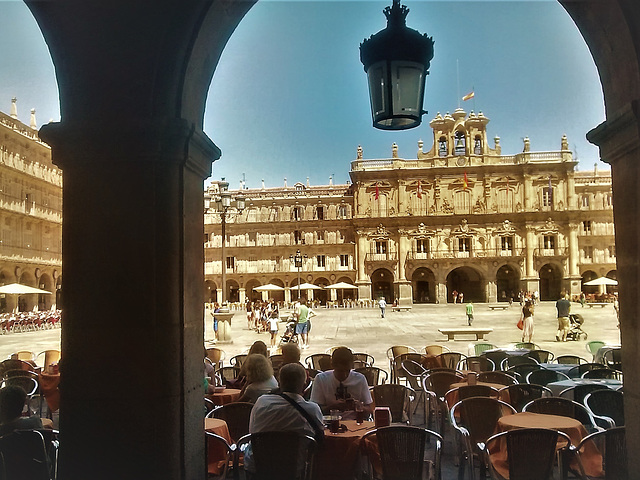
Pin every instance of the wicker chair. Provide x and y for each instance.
(21, 373)
(406, 452)
(578, 392)
(541, 356)
(602, 373)
(502, 378)
(436, 385)
(13, 364)
(216, 355)
(612, 446)
(276, 363)
(238, 360)
(578, 370)
(531, 453)
(392, 353)
(398, 398)
(477, 364)
(607, 406)
(522, 393)
(374, 375)
(450, 359)
(218, 469)
(319, 361)
(468, 391)
(364, 357)
(476, 419)
(570, 360)
(563, 407)
(435, 350)
(48, 357)
(24, 355)
(237, 417)
(398, 373)
(414, 373)
(520, 372)
(545, 377)
(279, 455)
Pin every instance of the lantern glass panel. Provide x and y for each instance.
(377, 75)
(407, 81)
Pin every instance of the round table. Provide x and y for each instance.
(452, 398)
(215, 452)
(228, 395)
(557, 387)
(337, 457)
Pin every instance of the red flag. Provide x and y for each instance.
(419, 189)
(466, 180)
(507, 184)
(377, 191)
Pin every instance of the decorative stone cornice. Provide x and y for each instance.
(619, 134)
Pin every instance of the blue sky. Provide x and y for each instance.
(289, 97)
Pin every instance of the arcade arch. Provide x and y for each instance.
(210, 291)
(249, 291)
(550, 281)
(587, 276)
(45, 301)
(466, 280)
(507, 282)
(382, 285)
(423, 282)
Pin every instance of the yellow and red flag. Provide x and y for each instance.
(469, 96)
(419, 192)
(466, 180)
(377, 191)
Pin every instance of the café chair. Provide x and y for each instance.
(541, 356)
(216, 355)
(403, 452)
(374, 375)
(414, 373)
(37, 405)
(545, 377)
(521, 371)
(607, 406)
(13, 364)
(208, 405)
(502, 378)
(279, 455)
(578, 392)
(227, 374)
(398, 373)
(531, 453)
(21, 373)
(330, 350)
(593, 347)
(570, 360)
(579, 370)
(48, 357)
(613, 358)
(276, 362)
(526, 346)
(514, 360)
(24, 355)
(603, 373)
(398, 398)
(496, 356)
(520, 394)
(480, 348)
(477, 364)
(392, 353)
(319, 361)
(218, 469)
(24, 455)
(365, 358)
(236, 415)
(238, 360)
(476, 419)
(612, 446)
(436, 385)
(450, 359)
(28, 384)
(564, 408)
(435, 350)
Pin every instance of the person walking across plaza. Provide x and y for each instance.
(303, 313)
(563, 307)
(469, 307)
(527, 316)
(383, 305)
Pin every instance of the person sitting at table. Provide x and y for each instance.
(277, 412)
(291, 354)
(260, 379)
(12, 402)
(340, 388)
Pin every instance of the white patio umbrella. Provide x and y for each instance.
(601, 281)
(20, 289)
(341, 286)
(269, 287)
(307, 286)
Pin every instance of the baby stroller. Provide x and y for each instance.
(289, 335)
(575, 331)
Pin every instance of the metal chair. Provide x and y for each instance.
(21, 373)
(578, 392)
(593, 347)
(221, 465)
(276, 363)
(414, 373)
(217, 356)
(435, 350)
(563, 407)
(319, 361)
(238, 360)
(436, 385)
(522, 393)
(527, 346)
(227, 374)
(521, 371)
(480, 348)
(502, 378)
(398, 398)
(612, 446)
(405, 452)
(541, 356)
(607, 406)
(28, 384)
(279, 455)
(398, 373)
(570, 360)
(514, 360)
(374, 375)
(531, 453)
(14, 364)
(467, 391)
(24, 355)
(613, 358)
(236, 415)
(364, 357)
(24, 455)
(476, 419)
(545, 377)
(48, 357)
(393, 352)
(496, 356)
(450, 359)
(578, 370)
(477, 364)
(603, 373)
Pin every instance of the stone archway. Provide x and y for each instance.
(550, 282)
(249, 291)
(423, 283)
(469, 282)
(210, 291)
(587, 276)
(507, 283)
(382, 285)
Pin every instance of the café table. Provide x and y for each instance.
(599, 356)
(559, 367)
(573, 428)
(338, 456)
(215, 453)
(452, 398)
(557, 387)
(228, 395)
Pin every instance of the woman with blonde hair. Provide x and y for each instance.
(260, 379)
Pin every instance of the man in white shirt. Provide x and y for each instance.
(341, 388)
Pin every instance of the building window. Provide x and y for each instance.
(586, 227)
(584, 201)
(321, 261)
(297, 237)
(320, 212)
(342, 211)
(462, 201)
(547, 197)
(320, 235)
(231, 263)
(296, 214)
(442, 147)
(206, 237)
(588, 252)
(344, 260)
(608, 200)
(506, 244)
(549, 242)
(464, 245)
(422, 245)
(612, 251)
(381, 246)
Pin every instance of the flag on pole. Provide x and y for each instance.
(377, 191)
(469, 96)
(507, 184)
(466, 180)
(419, 192)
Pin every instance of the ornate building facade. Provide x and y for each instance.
(460, 217)
(30, 213)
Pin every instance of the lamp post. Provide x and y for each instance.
(297, 262)
(396, 61)
(224, 201)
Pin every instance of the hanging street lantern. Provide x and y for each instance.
(396, 61)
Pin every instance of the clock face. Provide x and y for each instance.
(461, 161)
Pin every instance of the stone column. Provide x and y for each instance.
(528, 192)
(242, 294)
(361, 253)
(619, 142)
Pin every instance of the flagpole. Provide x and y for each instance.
(458, 80)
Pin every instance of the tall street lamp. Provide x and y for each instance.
(224, 201)
(397, 61)
(297, 262)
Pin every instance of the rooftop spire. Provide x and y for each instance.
(14, 108)
(32, 121)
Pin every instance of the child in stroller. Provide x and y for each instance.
(289, 335)
(575, 331)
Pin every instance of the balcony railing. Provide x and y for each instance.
(381, 257)
(474, 252)
(551, 252)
